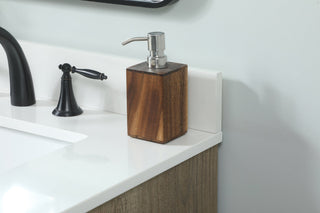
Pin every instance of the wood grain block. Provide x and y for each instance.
(157, 102)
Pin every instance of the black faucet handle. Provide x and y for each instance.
(89, 73)
(67, 105)
(84, 72)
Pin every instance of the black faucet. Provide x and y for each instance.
(67, 105)
(21, 85)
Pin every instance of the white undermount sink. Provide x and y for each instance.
(18, 147)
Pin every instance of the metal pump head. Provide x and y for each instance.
(156, 45)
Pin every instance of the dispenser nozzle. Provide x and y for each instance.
(134, 39)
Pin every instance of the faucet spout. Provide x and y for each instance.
(21, 85)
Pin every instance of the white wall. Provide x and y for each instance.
(270, 54)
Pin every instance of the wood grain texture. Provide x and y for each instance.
(157, 102)
(190, 187)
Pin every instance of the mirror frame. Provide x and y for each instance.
(138, 3)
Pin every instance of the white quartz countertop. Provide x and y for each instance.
(99, 163)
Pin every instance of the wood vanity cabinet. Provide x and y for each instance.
(190, 187)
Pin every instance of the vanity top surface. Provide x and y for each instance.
(99, 163)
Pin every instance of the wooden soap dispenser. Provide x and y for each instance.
(157, 94)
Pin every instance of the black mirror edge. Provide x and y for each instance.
(137, 3)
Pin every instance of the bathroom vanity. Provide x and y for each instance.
(89, 163)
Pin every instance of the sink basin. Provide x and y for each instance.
(18, 147)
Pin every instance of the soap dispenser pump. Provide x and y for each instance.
(156, 46)
(157, 94)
